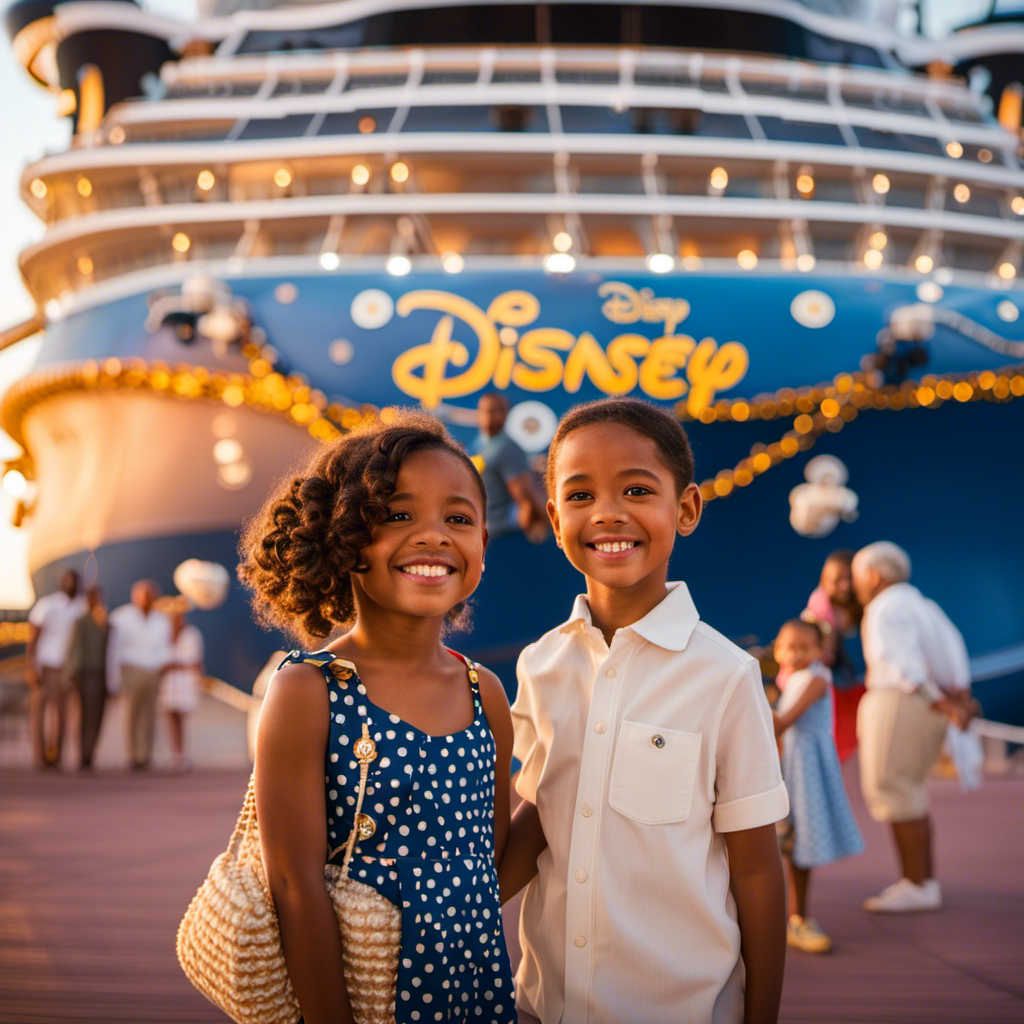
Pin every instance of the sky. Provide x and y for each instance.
(30, 128)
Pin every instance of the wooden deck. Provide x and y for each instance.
(95, 872)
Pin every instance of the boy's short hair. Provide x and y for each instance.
(645, 418)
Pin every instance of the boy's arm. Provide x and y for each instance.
(759, 888)
(525, 844)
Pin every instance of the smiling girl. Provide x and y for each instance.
(649, 761)
(382, 536)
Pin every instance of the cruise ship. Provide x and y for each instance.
(792, 225)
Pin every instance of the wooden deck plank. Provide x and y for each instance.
(95, 872)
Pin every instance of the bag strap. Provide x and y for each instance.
(246, 818)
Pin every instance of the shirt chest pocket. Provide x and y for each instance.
(653, 773)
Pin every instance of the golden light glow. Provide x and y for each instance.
(1007, 271)
(38, 188)
(360, 174)
(805, 261)
(830, 408)
(206, 180)
(719, 178)
(880, 183)
(747, 259)
(84, 187)
(954, 149)
(805, 184)
(924, 264)
(282, 177)
(873, 259)
(116, 135)
(562, 241)
(85, 265)
(367, 125)
(985, 156)
(1017, 205)
(181, 242)
(399, 172)
(961, 193)
(803, 424)
(879, 240)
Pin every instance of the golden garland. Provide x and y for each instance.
(829, 407)
(823, 408)
(262, 389)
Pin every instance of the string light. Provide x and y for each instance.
(181, 242)
(719, 178)
(360, 174)
(954, 149)
(1007, 271)
(399, 172)
(880, 183)
(452, 262)
(879, 240)
(924, 264)
(660, 263)
(562, 241)
(961, 193)
(1017, 205)
(747, 259)
(206, 180)
(38, 188)
(282, 177)
(873, 259)
(84, 187)
(805, 262)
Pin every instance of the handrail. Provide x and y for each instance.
(20, 332)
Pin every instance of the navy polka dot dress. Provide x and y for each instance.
(431, 800)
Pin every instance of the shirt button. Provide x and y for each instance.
(600, 727)
(586, 810)
(581, 941)
(609, 672)
(581, 876)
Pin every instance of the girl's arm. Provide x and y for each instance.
(816, 689)
(526, 843)
(759, 888)
(495, 704)
(290, 745)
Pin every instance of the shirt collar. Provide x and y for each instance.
(669, 624)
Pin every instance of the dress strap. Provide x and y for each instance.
(335, 669)
(472, 669)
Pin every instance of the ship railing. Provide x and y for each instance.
(550, 93)
(798, 80)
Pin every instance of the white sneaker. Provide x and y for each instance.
(904, 897)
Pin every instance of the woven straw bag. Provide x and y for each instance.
(229, 944)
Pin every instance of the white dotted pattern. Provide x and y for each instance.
(432, 799)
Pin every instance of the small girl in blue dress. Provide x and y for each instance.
(821, 825)
(381, 539)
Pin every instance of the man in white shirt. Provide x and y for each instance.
(138, 654)
(918, 680)
(51, 622)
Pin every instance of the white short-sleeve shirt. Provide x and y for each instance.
(638, 757)
(54, 616)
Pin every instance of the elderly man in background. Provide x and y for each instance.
(514, 501)
(918, 680)
(51, 622)
(139, 651)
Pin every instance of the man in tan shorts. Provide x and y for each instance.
(918, 680)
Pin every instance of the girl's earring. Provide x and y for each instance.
(483, 565)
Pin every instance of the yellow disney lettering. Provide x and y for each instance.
(658, 372)
(625, 305)
(539, 368)
(711, 369)
(431, 386)
(613, 372)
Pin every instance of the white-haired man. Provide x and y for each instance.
(918, 680)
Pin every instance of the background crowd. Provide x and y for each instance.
(81, 656)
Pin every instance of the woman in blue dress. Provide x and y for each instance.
(821, 827)
(383, 535)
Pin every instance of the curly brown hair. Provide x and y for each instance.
(298, 550)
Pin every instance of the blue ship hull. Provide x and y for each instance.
(943, 482)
